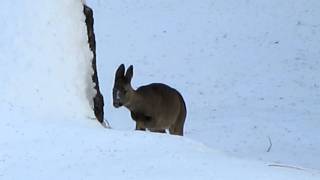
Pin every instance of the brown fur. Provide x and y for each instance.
(155, 107)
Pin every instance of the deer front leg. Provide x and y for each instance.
(138, 118)
(140, 126)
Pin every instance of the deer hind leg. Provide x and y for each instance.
(177, 127)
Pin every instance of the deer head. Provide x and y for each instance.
(122, 89)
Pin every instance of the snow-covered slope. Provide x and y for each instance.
(249, 70)
(84, 153)
(45, 128)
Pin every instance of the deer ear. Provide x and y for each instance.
(129, 73)
(120, 71)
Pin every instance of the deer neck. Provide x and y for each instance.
(134, 103)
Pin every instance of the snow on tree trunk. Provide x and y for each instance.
(98, 102)
(45, 66)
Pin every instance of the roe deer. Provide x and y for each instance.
(155, 107)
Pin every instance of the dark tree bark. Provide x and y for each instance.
(98, 102)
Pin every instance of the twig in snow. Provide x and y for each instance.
(92, 118)
(106, 124)
(270, 144)
(286, 166)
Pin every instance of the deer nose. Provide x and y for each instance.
(116, 104)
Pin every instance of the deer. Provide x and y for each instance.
(155, 107)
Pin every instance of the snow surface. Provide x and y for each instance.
(204, 49)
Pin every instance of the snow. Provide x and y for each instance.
(76, 153)
(247, 70)
(40, 46)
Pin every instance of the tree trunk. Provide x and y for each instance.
(98, 102)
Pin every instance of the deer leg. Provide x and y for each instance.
(177, 128)
(158, 130)
(140, 126)
(171, 129)
(138, 118)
